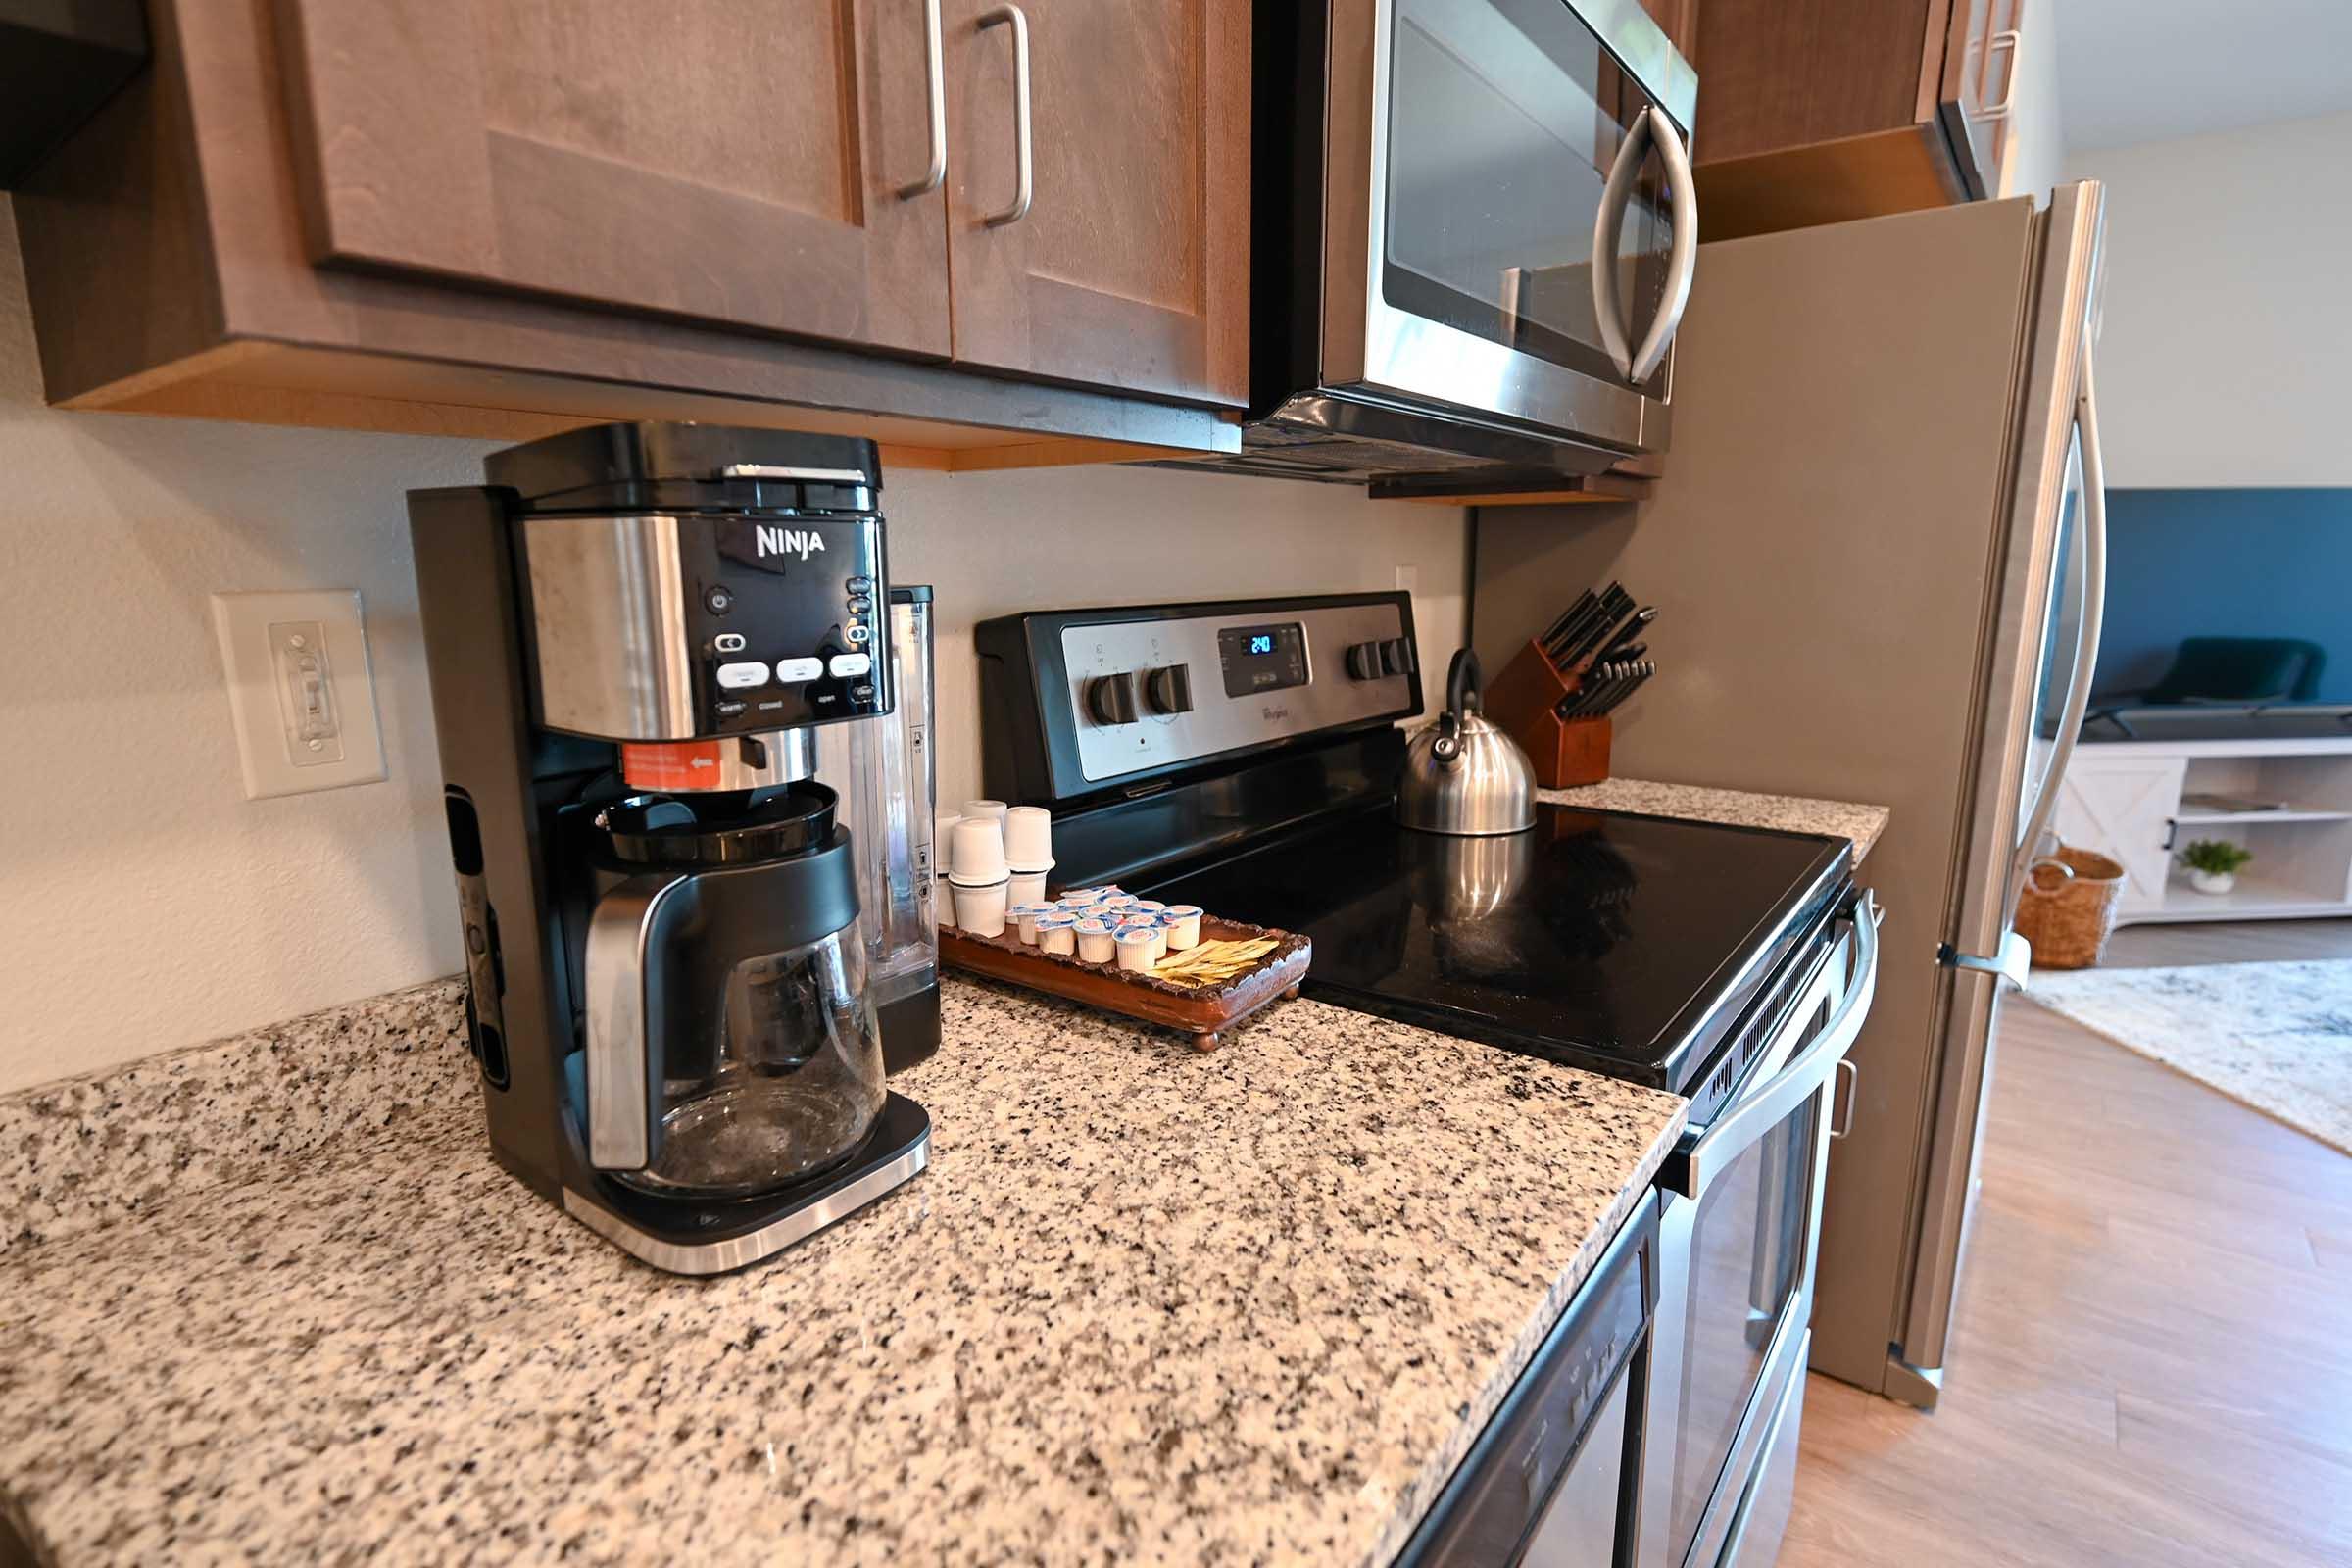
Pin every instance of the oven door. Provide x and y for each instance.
(1510, 223)
(1735, 1254)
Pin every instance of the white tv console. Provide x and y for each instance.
(2123, 797)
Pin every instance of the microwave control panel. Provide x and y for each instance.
(1119, 697)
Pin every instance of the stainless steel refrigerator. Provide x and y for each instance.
(1878, 550)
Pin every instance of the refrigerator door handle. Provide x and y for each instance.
(2094, 609)
(2011, 963)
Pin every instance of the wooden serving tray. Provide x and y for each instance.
(1202, 1012)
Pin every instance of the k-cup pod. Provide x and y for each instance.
(1028, 887)
(1024, 917)
(977, 855)
(1139, 949)
(994, 810)
(1097, 943)
(1057, 933)
(980, 908)
(1183, 925)
(1029, 837)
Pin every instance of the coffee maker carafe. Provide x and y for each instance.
(643, 639)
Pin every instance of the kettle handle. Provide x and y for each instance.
(1462, 700)
(1463, 685)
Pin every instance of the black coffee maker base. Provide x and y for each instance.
(683, 1237)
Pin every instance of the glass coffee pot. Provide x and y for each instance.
(731, 1041)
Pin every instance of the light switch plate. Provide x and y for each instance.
(300, 690)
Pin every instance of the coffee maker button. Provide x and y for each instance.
(858, 585)
(718, 598)
(727, 642)
(735, 677)
(844, 666)
(796, 669)
(856, 634)
(863, 693)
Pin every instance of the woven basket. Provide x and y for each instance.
(2067, 909)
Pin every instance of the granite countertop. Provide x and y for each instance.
(1145, 1305)
(1843, 819)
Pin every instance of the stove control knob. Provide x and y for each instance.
(1110, 699)
(1169, 689)
(1397, 655)
(1363, 661)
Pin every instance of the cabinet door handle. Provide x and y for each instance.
(2011, 40)
(1022, 148)
(2172, 831)
(936, 99)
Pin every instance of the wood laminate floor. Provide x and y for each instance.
(2153, 1359)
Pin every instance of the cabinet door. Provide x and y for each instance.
(736, 161)
(1130, 268)
(2124, 806)
(1979, 79)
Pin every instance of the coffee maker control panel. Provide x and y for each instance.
(673, 626)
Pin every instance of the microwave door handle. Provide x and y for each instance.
(1801, 1078)
(1681, 261)
(1607, 225)
(2076, 707)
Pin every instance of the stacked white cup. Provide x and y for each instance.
(1028, 851)
(977, 873)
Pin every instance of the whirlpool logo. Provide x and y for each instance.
(799, 542)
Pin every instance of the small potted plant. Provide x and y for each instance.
(2213, 863)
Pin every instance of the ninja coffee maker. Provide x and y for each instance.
(684, 729)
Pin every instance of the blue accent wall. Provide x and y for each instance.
(2225, 563)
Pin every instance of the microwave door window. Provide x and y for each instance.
(1504, 118)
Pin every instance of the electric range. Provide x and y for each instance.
(1243, 756)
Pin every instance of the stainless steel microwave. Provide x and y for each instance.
(1474, 231)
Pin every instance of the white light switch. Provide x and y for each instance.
(300, 690)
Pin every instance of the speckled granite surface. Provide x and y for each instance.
(1843, 819)
(1146, 1305)
(85, 1151)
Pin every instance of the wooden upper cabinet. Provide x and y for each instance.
(1130, 268)
(1818, 111)
(732, 160)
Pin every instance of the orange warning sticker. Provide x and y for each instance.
(670, 765)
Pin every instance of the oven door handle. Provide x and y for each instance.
(1751, 1118)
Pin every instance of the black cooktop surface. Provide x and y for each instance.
(1623, 943)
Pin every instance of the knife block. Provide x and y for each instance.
(1523, 702)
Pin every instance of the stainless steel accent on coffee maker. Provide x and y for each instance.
(645, 644)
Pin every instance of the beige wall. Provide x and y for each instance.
(145, 904)
(2221, 363)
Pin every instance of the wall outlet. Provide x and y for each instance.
(298, 690)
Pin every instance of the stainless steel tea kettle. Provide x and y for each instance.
(1463, 774)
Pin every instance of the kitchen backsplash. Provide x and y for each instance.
(152, 906)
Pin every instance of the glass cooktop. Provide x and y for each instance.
(1627, 945)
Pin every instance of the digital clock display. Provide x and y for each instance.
(1263, 659)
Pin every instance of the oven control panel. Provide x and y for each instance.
(1102, 699)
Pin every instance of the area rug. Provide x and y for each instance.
(2275, 1036)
